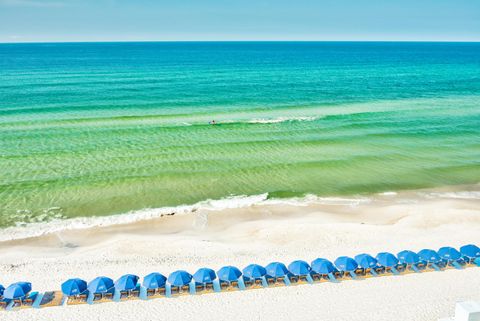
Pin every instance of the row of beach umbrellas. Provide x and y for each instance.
(155, 280)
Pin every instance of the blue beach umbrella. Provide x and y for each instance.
(179, 278)
(386, 259)
(408, 257)
(254, 271)
(204, 275)
(322, 266)
(154, 281)
(366, 261)
(74, 287)
(1, 290)
(345, 263)
(471, 251)
(429, 256)
(17, 290)
(229, 273)
(449, 253)
(126, 282)
(276, 269)
(299, 267)
(100, 284)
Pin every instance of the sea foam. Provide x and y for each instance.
(28, 230)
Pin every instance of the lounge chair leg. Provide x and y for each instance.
(477, 261)
(90, 298)
(10, 305)
(168, 291)
(36, 303)
(332, 278)
(143, 293)
(264, 282)
(309, 279)
(116, 296)
(216, 285)
(241, 284)
(192, 288)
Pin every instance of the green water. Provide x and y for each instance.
(101, 129)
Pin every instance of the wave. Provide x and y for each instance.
(281, 120)
(55, 223)
(27, 230)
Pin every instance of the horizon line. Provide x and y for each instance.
(233, 41)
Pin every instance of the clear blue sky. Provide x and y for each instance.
(139, 20)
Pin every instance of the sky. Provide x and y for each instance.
(197, 20)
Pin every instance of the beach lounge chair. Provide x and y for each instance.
(49, 299)
(77, 299)
(316, 277)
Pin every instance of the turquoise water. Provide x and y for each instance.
(92, 129)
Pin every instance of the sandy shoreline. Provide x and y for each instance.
(262, 234)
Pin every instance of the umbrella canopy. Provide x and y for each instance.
(408, 257)
(126, 282)
(229, 273)
(100, 284)
(154, 281)
(429, 255)
(387, 259)
(323, 266)
(1, 290)
(179, 278)
(204, 275)
(449, 253)
(471, 251)
(299, 267)
(366, 261)
(345, 263)
(17, 290)
(74, 287)
(276, 269)
(254, 271)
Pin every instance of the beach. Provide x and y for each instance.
(261, 233)
(140, 157)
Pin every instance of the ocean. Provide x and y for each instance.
(98, 129)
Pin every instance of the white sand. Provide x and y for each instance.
(262, 234)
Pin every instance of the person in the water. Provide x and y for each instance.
(213, 122)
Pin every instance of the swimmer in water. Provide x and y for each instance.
(212, 122)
